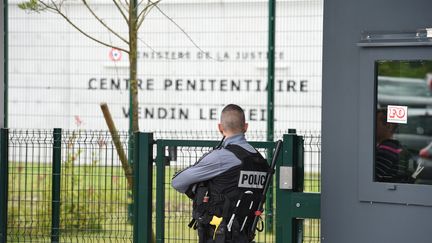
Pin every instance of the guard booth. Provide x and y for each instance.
(377, 122)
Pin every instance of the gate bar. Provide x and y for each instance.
(56, 187)
(291, 155)
(270, 97)
(160, 194)
(4, 182)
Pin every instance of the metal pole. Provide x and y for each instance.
(285, 231)
(143, 184)
(4, 182)
(160, 192)
(271, 70)
(55, 214)
(5, 63)
(270, 98)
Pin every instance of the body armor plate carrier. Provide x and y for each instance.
(224, 207)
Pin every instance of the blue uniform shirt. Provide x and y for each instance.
(213, 164)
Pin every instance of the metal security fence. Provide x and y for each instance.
(95, 193)
(30, 185)
(66, 186)
(312, 137)
(310, 229)
(69, 186)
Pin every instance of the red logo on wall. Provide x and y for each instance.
(397, 114)
(115, 55)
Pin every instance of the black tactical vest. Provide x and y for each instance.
(245, 182)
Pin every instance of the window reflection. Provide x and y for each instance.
(403, 126)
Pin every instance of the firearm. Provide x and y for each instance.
(266, 187)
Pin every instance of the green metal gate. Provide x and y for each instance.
(298, 210)
(173, 210)
(290, 210)
(48, 186)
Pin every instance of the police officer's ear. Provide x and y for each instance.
(245, 127)
(220, 127)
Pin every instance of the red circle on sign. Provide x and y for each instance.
(115, 55)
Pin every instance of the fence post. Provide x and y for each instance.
(160, 192)
(298, 186)
(55, 189)
(292, 154)
(270, 98)
(4, 182)
(142, 187)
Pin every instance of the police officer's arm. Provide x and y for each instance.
(210, 166)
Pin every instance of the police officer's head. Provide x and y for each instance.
(232, 121)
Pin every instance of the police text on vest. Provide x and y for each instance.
(252, 179)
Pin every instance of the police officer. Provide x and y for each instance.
(213, 180)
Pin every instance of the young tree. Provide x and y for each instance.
(133, 13)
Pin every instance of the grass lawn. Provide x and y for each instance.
(94, 205)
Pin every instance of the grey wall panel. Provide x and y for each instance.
(345, 219)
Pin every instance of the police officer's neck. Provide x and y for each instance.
(232, 134)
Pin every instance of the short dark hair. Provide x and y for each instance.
(395, 126)
(233, 117)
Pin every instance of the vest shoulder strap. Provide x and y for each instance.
(239, 151)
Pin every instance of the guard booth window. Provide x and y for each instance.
(403, 121)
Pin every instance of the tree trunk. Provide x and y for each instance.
(133, 47)
(133, 68)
